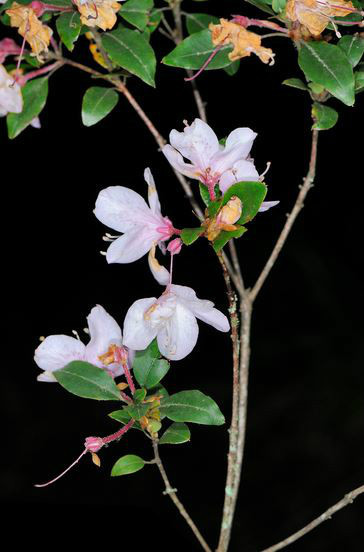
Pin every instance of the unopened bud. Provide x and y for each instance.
(93, 444)
(231, 212)
(38, 7)
(96, 460)
(175, 246)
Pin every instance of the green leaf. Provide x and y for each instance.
(205, 196)
(140, 395)
(224, 237)
(295, 83)
(353, 46)
(192, 406)
(97, 103)
(192, 53)
(131, 51)
(279, 5)
(137, 411)
(359, 82)
(233, 68)
(196, 22)
(123, 417)
(327, 65)
(35, 94)
(316, 88)
(153, 21)
(148, 367)
(251, 194)
(69, 26)
(136, 12)
(88, 381)
(127, 464)
(325, 117)
(263, 5)
(190, 235)
(176, 434)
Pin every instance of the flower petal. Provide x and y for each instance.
(212, 316)
(159, 272)
(237, 147)
(266, 205)
(178, 337)
(197, 142)
(177, 162)
(138, 332)
(56, 351)
(123, 209)
(153, 199)
(131, 246)
(242, 171)
(104, 331)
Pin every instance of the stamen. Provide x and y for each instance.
(265, 171)
(96, 11)
(103, 253)
(76, 334)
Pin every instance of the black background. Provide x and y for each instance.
(305, 427)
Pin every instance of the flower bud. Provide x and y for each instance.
(175, 246)
(93, 444)
(231, 212)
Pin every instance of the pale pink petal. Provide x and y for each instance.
(47, 376)
(56, 351)
(212, 316)
(266, 205)
(159, 272)
(138, 332)
(177, 162)
(104, 331)
(243, 171)
(237, 147)
(35, 123)
(11, 100)
(197, 142)
(131, 246)
(153, 199)
(123, 209)
(244, 138)
(178, 336)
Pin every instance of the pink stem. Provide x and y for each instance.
(246, 22)
(118, 434)
(39, 72)
(207, 62)
(129, 379)
(211, 189)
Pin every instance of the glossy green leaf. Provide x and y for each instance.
(131, 51)
(325, 117)
(353, 46)
(295, 83)
(233, 68)
(359, 82)
(127, 464)
(326, 64)
(140, 395)
(176, 434)
(196, 22)
(224, 237)
(192, 53)
(136, 12)
(192, 406)
(137, 411)
(123, 417)
(153, 21)
(69, 26)
(88, 381)
(316, 88)
(190, 235)
(35, 94)
(251, 194)
(97, 103)
(279, 5)
(148, 367)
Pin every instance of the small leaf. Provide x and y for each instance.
(353, 46)
(326, 64)
(194, 50)
(251, 194)
(127, 464)
(148, 367)
(136, 12)
(196, 22)
(205, 196)
(224, 237)
(192, 406)
(35, 94)
(123, 417)
(279, 5)
(325, 117)
(137, 411)
(88, 381)
(140, 395)
(153, 21)
(176, 434)
(190, 235)
(295, 83)
(233, 68)
(359, 82)
(263, 5)
(131, 51)
(69, 26)
(97, 103)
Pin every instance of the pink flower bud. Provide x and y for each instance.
(175, 246)
(38, 7)
(94, 444)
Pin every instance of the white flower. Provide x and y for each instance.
(126, 211)
(11, 100)
(172, 320)
(56, 351)
(210, 162)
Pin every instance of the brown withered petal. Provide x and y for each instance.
(35, 33)
(315, 15)
(98, 13)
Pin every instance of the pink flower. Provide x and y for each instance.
(126, 211)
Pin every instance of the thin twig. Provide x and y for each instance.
(348, 499)
(173, 496)
(304, 189)
(237, 269)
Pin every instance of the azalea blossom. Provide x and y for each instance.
(11, 100)
(56, 351)
(315, 15)
(98, 13)
(126, 211)
(30, 27)
(8, 47)
(211, 162)
(172, 320)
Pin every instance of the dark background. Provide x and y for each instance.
(306, 404)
